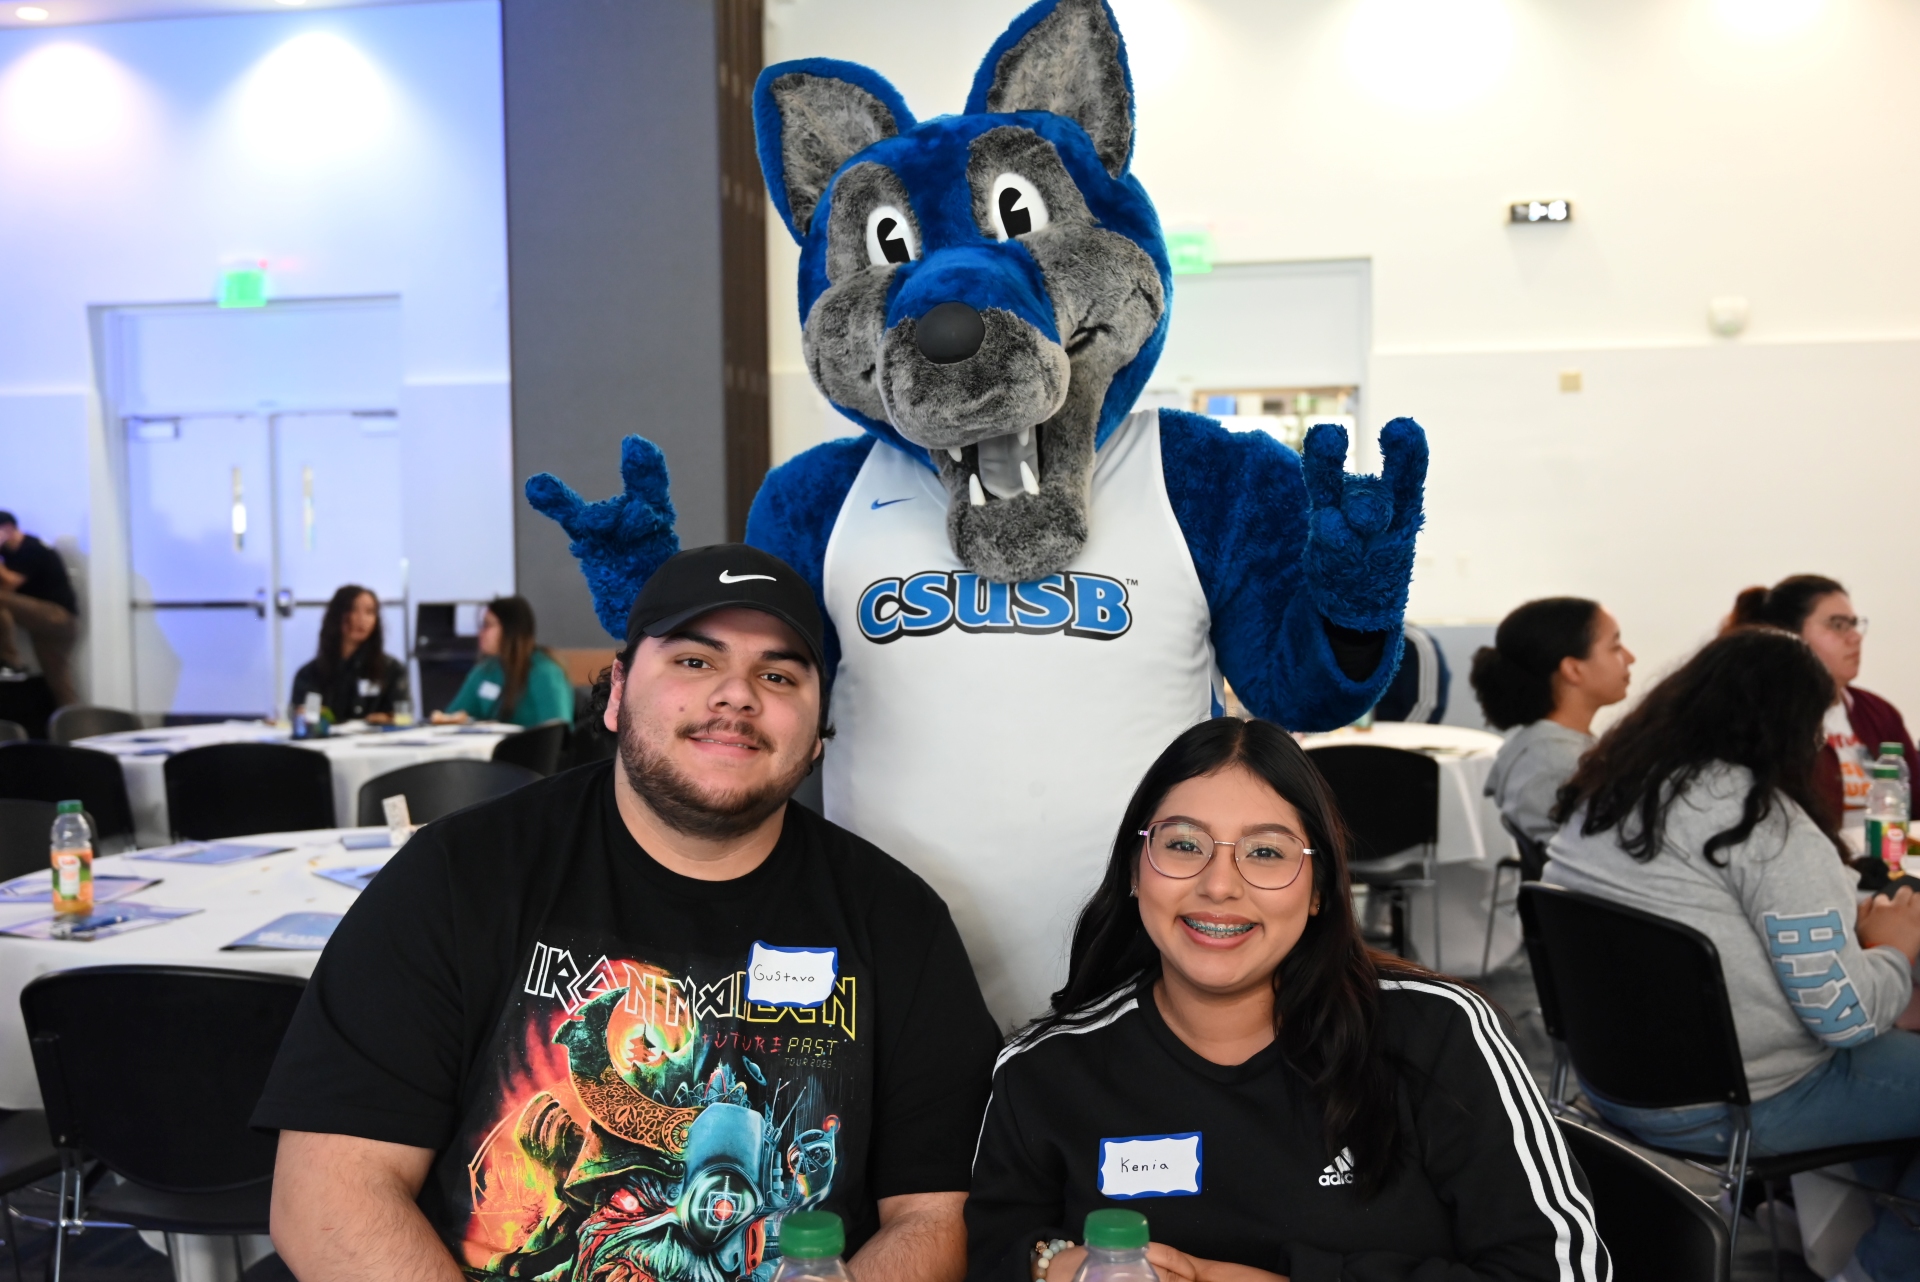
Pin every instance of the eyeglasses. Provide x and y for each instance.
(1270, 859)
(1844, 623)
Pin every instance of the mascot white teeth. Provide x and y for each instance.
(1031, 587)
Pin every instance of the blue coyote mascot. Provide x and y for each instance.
(1031, 586)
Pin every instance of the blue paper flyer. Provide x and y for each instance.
(208, 852)
(295, 932)
(37, 888)
(98, 924)
(353, 877)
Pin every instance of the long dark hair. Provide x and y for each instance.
(1513, 677)
(1755, 698)
(1784, 605)
(516, 647)
(372, 652)
(1326, 990)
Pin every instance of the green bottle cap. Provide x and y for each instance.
(71, 808)
(1886, 772)
(812, 1235)
(1113, 1229)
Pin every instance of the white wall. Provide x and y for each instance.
(1760, 148)
(355, 151)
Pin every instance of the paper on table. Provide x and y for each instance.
(367, 840)
(97, 925)
(294, 932)
(37, 888)
(354, 877)
(208, 852)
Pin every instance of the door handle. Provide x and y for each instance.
(283, 603)
(260, 603)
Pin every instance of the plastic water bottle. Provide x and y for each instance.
(810, 1247)
(1887, 817)
(72, 860)
(1116, 1248)
(1892, 755)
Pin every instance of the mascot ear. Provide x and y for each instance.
(1066, 57)
(810, 117)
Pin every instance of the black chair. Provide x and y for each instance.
(1637, 1006)
(538, 748)
(436, 788)
(1655, 1228)
(233, 789)
(12, 732)
(25, 827)
(1532, 861)
(35, 771)
(26, 701)
(80, 720)
(172, 1120)
(1390, 799)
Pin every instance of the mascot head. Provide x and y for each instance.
(987, 291)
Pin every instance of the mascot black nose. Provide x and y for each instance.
(950, 332)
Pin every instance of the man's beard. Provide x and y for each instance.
(681, 804)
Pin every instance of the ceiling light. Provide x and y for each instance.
(293, 4)
(31, 13)
(1430, 54)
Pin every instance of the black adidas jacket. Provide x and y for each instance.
(1228, 1163)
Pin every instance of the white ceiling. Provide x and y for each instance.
(66, 13)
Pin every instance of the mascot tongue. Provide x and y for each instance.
(1007, 465)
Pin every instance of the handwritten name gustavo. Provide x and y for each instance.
(775, 975)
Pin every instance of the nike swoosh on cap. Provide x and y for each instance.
(880, 503)
(727, 577)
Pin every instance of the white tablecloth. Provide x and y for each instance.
(356, 758)
(1471, 843)
(237, 898)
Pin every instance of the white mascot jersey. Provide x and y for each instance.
(1036, 707)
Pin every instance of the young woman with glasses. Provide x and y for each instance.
(1230, 1059)
(1858, 721)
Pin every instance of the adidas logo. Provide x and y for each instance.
(1339, 1171)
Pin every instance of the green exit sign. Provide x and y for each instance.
(246, 287)
(1191, 252)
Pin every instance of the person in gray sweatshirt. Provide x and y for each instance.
(1701, 806)
(1553, 664)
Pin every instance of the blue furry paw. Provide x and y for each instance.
(620, 541)
(1360, 529)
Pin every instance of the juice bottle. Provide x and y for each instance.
(72, 860)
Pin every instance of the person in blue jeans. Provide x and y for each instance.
(516, 679)
(1702, 806)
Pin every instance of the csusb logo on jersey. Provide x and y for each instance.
(920, 605)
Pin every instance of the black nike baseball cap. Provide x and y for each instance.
(723, 575)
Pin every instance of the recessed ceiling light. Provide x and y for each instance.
(31, 13)
(293, 4)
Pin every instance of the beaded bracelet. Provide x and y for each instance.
(1043, 1253)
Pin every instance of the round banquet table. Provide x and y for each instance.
(234, 899)
(1471, 844)
(356, 756)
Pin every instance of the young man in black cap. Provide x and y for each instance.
(617, 1025)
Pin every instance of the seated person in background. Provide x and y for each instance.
(1330, 1112)
(615, 1024)
(515, 680)
(1858, 721)
(36, 597)
(1553, 664)
(352, 673)
(1700, 806)
(1418, 691)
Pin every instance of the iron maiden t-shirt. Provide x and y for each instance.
(628, 1074)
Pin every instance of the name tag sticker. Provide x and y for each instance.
(791, 976)
(1150, 1166)
(489, 689)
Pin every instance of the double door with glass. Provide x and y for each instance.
(240, 529)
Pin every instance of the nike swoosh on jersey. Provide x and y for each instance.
(880, 503)
(726, 577)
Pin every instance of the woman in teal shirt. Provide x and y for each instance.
(515, 679)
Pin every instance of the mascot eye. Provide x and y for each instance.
(1017, 207)
(890, 237)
